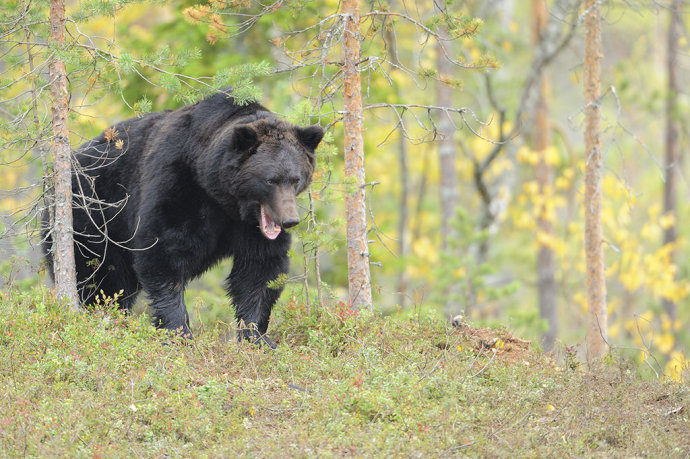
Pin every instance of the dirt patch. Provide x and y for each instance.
(507, 347)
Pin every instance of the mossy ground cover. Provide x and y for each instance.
(340, 384)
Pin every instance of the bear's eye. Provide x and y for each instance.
(269, 181)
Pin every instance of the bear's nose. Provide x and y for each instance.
(290, 222)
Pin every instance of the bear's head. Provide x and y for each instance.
(274, 162)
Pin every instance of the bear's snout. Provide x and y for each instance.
(290, 222)
(284, 207)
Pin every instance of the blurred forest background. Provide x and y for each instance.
(473, 130)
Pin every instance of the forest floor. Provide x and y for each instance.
(340, 383)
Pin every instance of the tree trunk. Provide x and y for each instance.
(359, 278)
(448, 187)
(672, 135)
(403, 246)
(594, 250)
(63, 244)
(541, 139)
(447, 152)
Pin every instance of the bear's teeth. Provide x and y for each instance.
(270, 229)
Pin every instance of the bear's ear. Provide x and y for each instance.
(244, 138)
(310, 136)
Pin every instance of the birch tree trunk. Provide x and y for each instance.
(359, 278)
(63, 244)
(594, 250)
(672, 134)
(403, 245)
(541, 139)
(446, 150)
(448, 187)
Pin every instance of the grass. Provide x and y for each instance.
(339, 384)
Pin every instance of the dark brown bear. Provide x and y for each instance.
(162, 198)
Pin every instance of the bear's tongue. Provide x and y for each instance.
(268, 226)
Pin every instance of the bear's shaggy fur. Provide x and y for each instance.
(162, 198)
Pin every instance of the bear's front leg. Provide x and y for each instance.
(169, 310)
(253, 294)
(166, 294)
(160, 269)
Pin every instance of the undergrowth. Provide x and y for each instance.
(341, 382)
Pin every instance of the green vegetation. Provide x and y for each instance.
(341, 383)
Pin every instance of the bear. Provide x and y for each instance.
(160, 199)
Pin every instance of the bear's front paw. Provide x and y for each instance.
(264, 340)
(181, 332)
(253, 336)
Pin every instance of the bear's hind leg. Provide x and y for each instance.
(113, 275)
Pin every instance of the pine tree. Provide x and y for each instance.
(594, 250)
(63, 244)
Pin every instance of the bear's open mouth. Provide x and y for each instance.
(270, 229)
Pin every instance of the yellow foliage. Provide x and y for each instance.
(667, 221)
(580, 266)
(527, 156)
(562, 183)
(482, 147)
(630, 326)
(608, 218)
(460, 272)
(615, 330)
(523, 220)
(644, 321)
(545, 239)
(654, 211)
(104, 26)
(569, 173)
(475, 54)
(610, 271)
(664, 342)
(427, 251)
(677, 366)
(616, 190)
(499, 166)
(423, 247)
(650, 232)
(531, 187)
(8, 178)
(560, 247)
(9, 205)
(551, 156)
(581, 300)
(632, 274)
